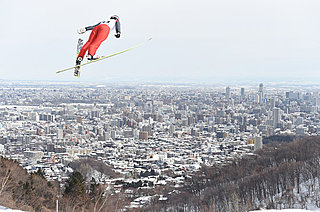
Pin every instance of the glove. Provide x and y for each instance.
(117, 35)
(81, 31)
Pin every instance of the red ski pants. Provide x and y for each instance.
(97, 36)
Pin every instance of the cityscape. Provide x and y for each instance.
(119, 106)
(155, 134)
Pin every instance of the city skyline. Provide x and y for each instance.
(212, 41)
(147, 138)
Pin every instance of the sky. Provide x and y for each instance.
(193, 40)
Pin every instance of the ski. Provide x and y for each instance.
(77, 68)
(104, 57)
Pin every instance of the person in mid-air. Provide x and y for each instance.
(98, 34)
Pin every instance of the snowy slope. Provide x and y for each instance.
(289, 210)
(4, 209)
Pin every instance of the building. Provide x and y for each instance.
(60, 133)
(242, 93)
(261, 94)
(228, 93)
(276, 117)
(257, 143)
(143, 135)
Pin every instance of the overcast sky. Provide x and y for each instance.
(201, 40)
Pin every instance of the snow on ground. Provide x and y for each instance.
(289, 210)
(308, 197)
(4, 209)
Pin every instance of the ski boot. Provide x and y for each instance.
(90, 57)
(76, 72)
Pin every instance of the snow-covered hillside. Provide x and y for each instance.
(289, 210)
(4, 209)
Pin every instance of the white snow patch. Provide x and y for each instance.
(4, 209)
(289, 210)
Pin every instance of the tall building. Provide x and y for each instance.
(60, 133)
(261, 94)
(261, 87)
(276, 117)
(242, 92)
(273, 102)
(113, 134)
(228, 93)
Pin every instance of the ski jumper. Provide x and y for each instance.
(99, 34)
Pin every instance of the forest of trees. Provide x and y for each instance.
(281, 175)
(81, 195)
(281, 138)
(29, 192)
(32, 192)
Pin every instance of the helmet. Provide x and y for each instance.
(114, 17)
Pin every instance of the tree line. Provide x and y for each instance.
(281, 175)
